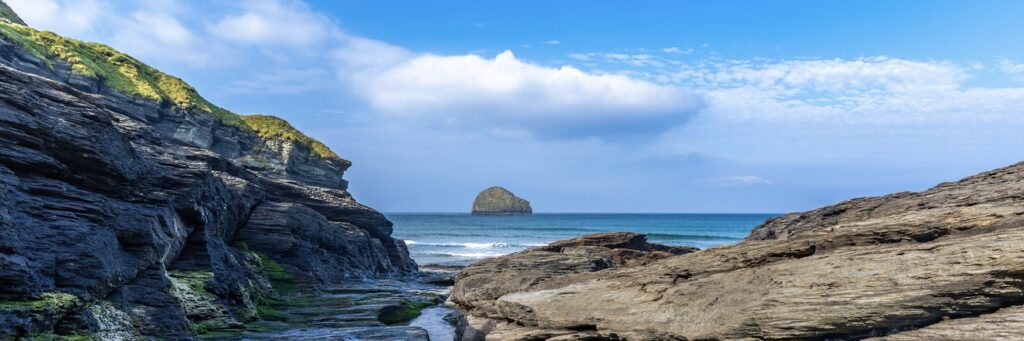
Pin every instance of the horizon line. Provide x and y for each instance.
(536, 213)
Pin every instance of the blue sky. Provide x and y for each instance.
(612, 106)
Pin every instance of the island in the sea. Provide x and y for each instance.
(500, 201)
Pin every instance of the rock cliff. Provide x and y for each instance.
(500, 201)
(946, 263)
(132, 208)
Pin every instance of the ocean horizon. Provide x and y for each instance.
(461, 238)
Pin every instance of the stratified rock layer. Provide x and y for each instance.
(947, 263)
(123, 218)
(500, 201)
(478, 286)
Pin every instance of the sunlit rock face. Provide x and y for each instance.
(943, 264)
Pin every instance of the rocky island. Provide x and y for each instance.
(943, 264)
(500, 201)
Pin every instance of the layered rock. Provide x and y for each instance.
(946, 263)
(479, 286)
(124, 217)
(500, 201)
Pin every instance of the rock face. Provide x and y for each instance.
(125, 218)
(946, 263)
(479, 286)
(500, 201)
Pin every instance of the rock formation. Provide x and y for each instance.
(131, 208)
(946, 263)
(500, 201)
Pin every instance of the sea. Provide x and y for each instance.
(461, 239)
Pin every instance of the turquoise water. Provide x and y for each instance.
(460, 239)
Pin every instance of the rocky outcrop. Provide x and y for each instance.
(946, 263)
(126, 218)
(479, 286)
(500, 201)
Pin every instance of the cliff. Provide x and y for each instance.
(943, 264)
(131, 207)
(500, 201)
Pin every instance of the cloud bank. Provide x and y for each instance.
(504, 91)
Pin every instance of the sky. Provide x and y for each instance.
(610, 106)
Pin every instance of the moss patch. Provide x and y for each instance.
(49, 336)
(241, 246)
(194, 280)
(282, 282)
(273, 127)
(51, 301)
(408, 310)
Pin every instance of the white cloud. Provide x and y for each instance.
(472, 91)
(639, 60)
(1016, 70)
(553, 42)
(737, 180)
(282, 81)
(161, 36)
(283, 22)
(65, 17)
(580, 56)
(360, 55)
(868, 90)
(676, 50)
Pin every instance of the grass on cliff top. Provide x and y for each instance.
(132, 77)
(274, 127)
(7, 13)
(118, 71)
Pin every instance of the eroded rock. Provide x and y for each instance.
(932, 265)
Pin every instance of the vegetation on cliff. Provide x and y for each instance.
(273, 127)
(131, 77)
(500, 201)
(7, 13)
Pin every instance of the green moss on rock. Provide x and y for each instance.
(51, 301)
(270, 127)
(408, 310)
(282, 282)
